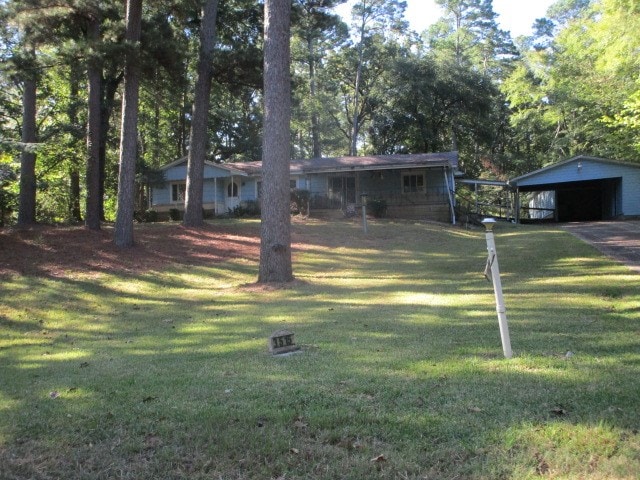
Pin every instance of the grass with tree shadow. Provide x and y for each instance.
(165, 373)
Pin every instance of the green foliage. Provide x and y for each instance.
(300, 200)
(8, 189)
(175, 214)
(575, 92)
(377, 207)
(571, 89)
(146, 216)
(248, 208)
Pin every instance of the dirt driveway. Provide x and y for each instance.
(619, 240)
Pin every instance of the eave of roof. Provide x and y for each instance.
(379, 162)
(222, 166)
(578, 158)
(369, 162)
(344, 164)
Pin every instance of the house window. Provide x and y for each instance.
(178, 192)
(293, 184)
(413, 183)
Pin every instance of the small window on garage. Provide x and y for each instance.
(178, 192)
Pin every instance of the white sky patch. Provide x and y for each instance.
(515, 16)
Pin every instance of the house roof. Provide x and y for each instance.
(369, 162)
(580, 158)
(222, 166)
(341, 164)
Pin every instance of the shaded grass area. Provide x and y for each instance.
(165, 373)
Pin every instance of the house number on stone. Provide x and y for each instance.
(282, 342)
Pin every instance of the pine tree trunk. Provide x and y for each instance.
(355, 124)
(123, 235)
(110, 85)
(27, 199)
(94, 73)
(275, 246)
(193, 216)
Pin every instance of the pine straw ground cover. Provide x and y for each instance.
(153, 362)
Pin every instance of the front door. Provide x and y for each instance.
(232, 195)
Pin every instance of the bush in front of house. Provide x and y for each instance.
(300, 199)
(248, 208)
(174, 214)
(145, 216)
(377, 207)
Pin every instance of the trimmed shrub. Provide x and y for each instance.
(146, 216)
(300, 201)
(174, 214)
(377, 207)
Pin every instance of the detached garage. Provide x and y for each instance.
(579, 189)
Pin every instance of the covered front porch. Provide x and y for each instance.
(416, 193)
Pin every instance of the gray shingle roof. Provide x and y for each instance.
(369, 162)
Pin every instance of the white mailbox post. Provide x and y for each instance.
(363, 197)
(493, 271)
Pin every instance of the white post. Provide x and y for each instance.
(492, 267)
(363, 197)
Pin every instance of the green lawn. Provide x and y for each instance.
(166, 374)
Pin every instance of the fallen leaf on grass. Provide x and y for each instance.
(379, 459)
(152, 441)
(542, 467)
(559, 411)
(294, 451)
(474, 409)
(300, 423)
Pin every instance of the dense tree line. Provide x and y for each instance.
(365, 85)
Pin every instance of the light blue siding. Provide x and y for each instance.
(161, 195)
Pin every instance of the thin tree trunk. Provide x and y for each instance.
(74, 212)
(27, 199)
(315, 121)
(94, 73)
(275, 235)
(193, 216)
(123, 235)
(355, 127)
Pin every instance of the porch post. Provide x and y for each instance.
(452, 208)
(215, 196)
(475, 191)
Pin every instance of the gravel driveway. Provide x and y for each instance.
(619, 240)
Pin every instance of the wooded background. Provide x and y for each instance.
(369, 86)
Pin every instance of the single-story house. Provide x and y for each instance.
(420, 186)
(582, 188)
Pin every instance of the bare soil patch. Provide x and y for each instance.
(59, 251)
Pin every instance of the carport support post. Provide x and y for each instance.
(492, 265)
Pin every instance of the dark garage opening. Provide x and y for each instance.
(591, 200)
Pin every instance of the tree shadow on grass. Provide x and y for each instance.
(170, 377)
